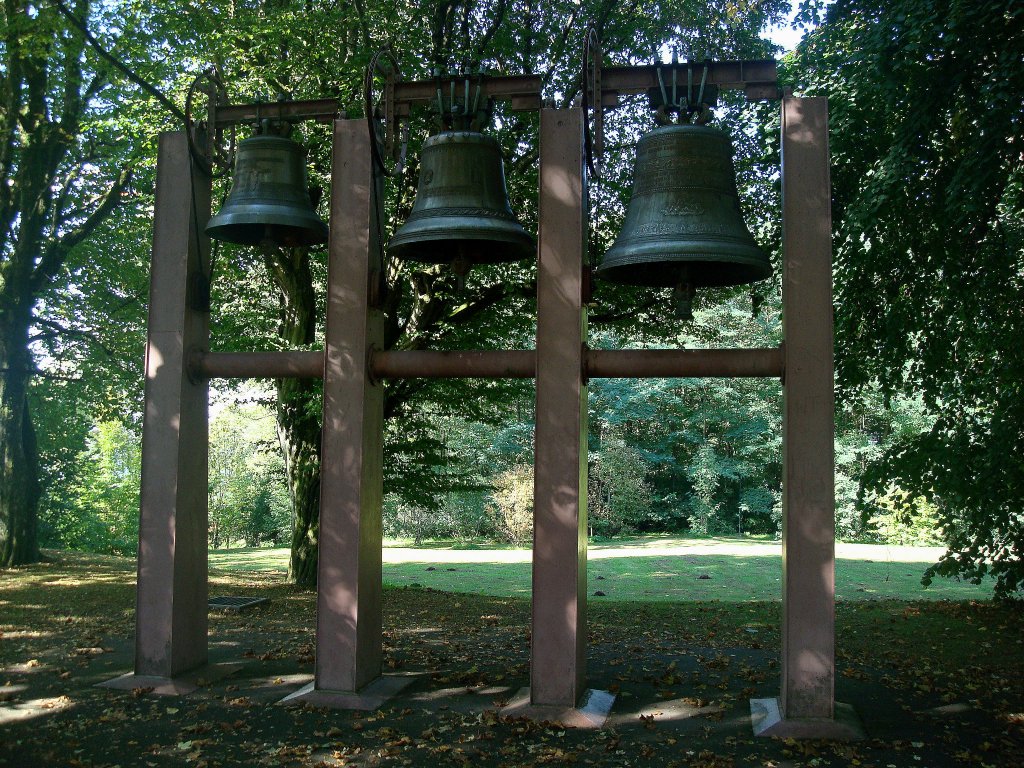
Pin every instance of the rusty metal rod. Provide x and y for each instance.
(757, 76)
(322, 110)
(257, 365)
(684, 363)
(500, 87)
(501, 364)
(473, 364)
(725, 74)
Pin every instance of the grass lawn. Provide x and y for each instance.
(654, 568)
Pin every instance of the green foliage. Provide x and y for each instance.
(458, 515)
(618, 497)
(704, 471)
(709, 446)
(910, 522)
(866, 428)
(926, 112)
(511, 507)
(248, 495)
(101, 510)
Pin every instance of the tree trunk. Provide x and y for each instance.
(47, 208)
(299, 432)
(19, 471)
(298, 424)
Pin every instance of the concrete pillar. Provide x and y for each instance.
(348, 630)
(558, 663)
(808, 494)
(171, 601)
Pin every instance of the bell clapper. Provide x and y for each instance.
(460, 268)
(268, 245)
(683, 295)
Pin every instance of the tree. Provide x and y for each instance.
(102, 511)
(52, 140)
(712, 446)
(511, 508)
(927, 109)
(248, 501)
(618, 495)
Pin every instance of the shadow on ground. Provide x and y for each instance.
(936, 684)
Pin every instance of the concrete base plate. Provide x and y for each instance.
(591, 712)
(370, 697)
(767, 720)
(181, 685)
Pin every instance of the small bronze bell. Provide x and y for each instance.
(683, 228)
(461, 215)
(269, 202)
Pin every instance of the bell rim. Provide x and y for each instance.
(501, 241)
(738, 274)
(745, 264)
(313, 231)
(489, 223)
(491, 248)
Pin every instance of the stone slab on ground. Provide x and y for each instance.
(181, 685)
(368, 698)
(591, 712)
(766, 720)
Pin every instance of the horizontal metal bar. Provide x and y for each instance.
(741, 75)
(323, 110)
(731, 75)
(684, 363)
(501, 364)
(757, 77)
(473, 364)
(258, 365)
(513, 87)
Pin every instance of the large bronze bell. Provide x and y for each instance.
(461, 215)
(269, 202)
(683, 227)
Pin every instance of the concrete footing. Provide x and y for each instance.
(591, 712)
(370, 697)
(180, 685)
(767, 720)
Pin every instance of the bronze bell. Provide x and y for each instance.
(683, 227)
(461, 215)
(269, 202)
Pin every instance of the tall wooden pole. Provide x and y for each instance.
(171, 601)
(558, 664)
